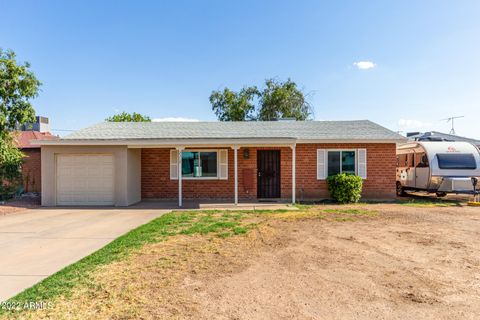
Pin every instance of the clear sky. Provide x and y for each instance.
(403, 64)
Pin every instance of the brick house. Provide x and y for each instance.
(31, 167)
(123, 163)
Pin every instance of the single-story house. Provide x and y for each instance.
(122, 163)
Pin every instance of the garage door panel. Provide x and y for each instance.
(85, 179)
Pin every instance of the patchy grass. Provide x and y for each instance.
(221, 224)
(301, 206)
(218, 224)
(430, 203)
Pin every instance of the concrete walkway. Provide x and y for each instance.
(214, 205)
(37, 243)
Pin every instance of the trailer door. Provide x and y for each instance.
(410, 170)
(422, 171)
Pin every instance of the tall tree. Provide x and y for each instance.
(234, 106)
(283, 100)
(18, 86)
(128, 117)
(275, 101)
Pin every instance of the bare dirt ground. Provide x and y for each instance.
(19, 204)
(388, 261)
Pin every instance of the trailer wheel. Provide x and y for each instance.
(441, 194)
(400, 190)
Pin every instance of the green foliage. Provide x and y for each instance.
(283, 100)
(18, 85)
(233, 106)
(128, 117)
(11, 159)
(275, 101)
(345, 188)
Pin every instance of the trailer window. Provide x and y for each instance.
(459, 161)
(421, 160)
(402, 160)
(410, 160)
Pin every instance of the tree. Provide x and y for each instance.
(233, 106)
(18, 85)
(128, 117)
(283, 100)
(275, 101)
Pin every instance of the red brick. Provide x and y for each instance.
(380, 182)
(31, 170)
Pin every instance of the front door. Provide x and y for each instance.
(268, 173)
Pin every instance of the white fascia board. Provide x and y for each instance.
(326, 141)
(153, 143)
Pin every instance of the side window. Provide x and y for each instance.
(402, 160)
(411, 160)
(421, 160)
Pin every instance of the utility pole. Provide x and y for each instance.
(451, 119)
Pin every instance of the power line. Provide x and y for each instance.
(63, 130)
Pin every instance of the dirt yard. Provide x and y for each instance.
(20, 204)
(371, 261)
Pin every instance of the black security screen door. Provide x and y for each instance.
(268, 175)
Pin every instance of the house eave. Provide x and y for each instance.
(165, 143)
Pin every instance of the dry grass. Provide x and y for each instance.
(357, 261)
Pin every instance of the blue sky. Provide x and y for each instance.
(163, 58)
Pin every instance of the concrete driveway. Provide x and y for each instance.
(37, 243)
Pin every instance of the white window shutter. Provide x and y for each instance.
(223, 164)
(173, 164)
(362, 163)
(321, 164)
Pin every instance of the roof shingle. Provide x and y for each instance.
(302, 130)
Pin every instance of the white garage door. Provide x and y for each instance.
(85, 179)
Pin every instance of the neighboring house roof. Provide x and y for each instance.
(23, 138)
(443, 136)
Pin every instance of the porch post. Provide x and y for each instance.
(294, 155)
(180, 175)
(235, 170)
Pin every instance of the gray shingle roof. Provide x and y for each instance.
(304, 130)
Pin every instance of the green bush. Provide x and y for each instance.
(11, 159)
(345, 188)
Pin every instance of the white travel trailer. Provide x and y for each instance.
(439, 167)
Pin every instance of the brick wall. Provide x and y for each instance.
(381, 170)
(31, 170)
(380, 183)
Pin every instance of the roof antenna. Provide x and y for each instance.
(451, 119)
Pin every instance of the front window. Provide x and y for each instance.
(196, 164)
(341, 162)
(460, 161)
